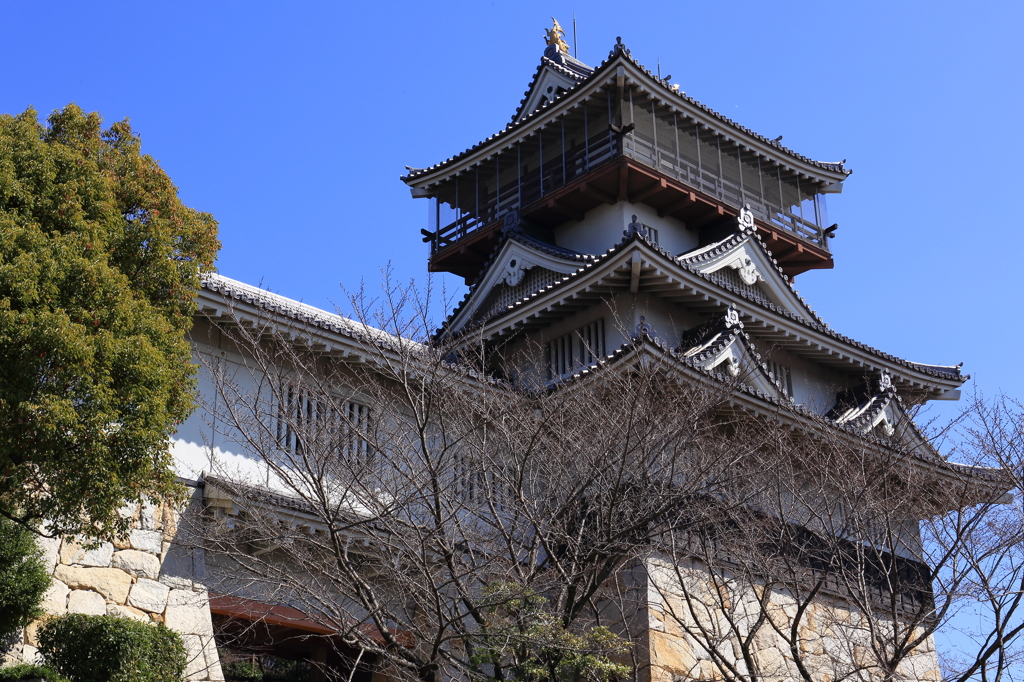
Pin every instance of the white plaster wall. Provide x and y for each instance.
(814, 386)
(204, 445)
(603, 227)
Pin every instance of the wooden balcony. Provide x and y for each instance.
(704, 204)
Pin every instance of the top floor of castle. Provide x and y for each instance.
(584, 137)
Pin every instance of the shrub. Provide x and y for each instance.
(26, 671)
(110, 649)
(23, 577)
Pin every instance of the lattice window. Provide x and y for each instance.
(652, 233)
(560, 356)
(729, 277)
(328, 425)
(477, 485)
(591, 342)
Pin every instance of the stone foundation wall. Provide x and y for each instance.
(833, 639)
(149, 577)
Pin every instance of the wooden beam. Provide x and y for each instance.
(567, 211)
(794, 248)
(682, 202)
(598, 193)
(649, 191)
(708, 217)
(634, 275)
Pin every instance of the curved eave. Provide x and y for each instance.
(611, 273)
(621, 66)
(987, 484)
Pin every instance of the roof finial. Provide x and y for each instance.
(746, 219)
(619, 47)
(885, 381)
(556, 36)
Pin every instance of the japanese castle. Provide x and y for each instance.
(614, 216)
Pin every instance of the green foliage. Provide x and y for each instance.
(110, 649)
(26, 671)
(99, 265)
(531, 644)
(23, 577)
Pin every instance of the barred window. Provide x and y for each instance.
(579, 348)
(476, 485)
(560, 356)
(591, 342)
(333, 425)
(782, 376)
(652, 233)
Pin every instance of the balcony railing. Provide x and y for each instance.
(520, 191)
(730, 193)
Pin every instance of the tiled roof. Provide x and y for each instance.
(711, 338)
(937, 371)
(929, 455)
(290, 308)
(280, 305)
(704, 253)
(667, 93)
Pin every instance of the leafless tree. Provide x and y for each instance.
(404, 498)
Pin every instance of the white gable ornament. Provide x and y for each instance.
(747, 270)
(515, 270)
(885, 382)
(732, 365)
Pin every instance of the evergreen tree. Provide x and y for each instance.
(99, 264)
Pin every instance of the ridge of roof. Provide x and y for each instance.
(937, 371)
(296, 310)
(276, 303)
(619, 50)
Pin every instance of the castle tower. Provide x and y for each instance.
(615, 215)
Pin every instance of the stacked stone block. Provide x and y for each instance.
(148, 577)
(833, 637)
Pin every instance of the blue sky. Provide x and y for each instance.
(291, 123)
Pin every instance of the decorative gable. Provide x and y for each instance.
(521, 266)
(722, 346)
(879, 413)
(742, 262)
(557, 73)
(549, 85)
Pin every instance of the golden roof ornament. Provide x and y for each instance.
(555, 36)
